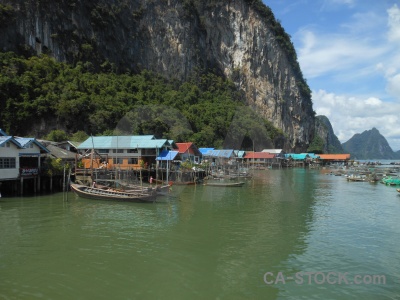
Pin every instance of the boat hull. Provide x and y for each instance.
(222, 184)
(112, 195)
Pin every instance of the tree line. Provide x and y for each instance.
(76, 100)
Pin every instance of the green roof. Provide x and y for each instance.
(123, 142)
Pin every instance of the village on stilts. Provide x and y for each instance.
(144, 161)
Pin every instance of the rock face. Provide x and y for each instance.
(369, 145)
(238, 39)
(324, 130)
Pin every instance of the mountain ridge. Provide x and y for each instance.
(370, 144)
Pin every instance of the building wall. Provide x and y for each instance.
(10, 152)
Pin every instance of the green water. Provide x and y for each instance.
(207, 242)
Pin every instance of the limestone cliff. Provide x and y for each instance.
(238, 39)
(324, 130)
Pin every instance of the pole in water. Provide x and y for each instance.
(64, 184)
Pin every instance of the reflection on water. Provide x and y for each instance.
(204, 242)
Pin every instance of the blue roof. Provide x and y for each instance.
(312, 155)
(296, 156)
(167, 155)
(205, 150)
(240, 153)
(5, 139)
(20, 142)
(123, 142)
(24, 142)
(219, 153)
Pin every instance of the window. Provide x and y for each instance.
(133, 150)
(8, 144)
(118, 150)
(149, 152)
(104, 151)
(7, 163)
(118, 161)
(132, 161)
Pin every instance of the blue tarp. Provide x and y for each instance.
(167, 155)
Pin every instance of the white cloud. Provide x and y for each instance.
(351, 115)
(363, 23)
(334, 3)
(326, 53)
(394, 23)
(351, 48)
(393, 86)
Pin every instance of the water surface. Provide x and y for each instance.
(207, 242)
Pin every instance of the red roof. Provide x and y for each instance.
(334, 156)
(185, 147)
(256, 155)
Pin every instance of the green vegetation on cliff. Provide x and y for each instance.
(73, 98)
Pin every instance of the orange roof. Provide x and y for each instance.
(188, 148)
(334, 156)
(183, 147)
(259, 155)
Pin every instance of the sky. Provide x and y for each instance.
(349, 53)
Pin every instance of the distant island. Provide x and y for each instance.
(370, 145)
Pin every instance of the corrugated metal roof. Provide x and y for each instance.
(335, 156)
(240, 153)
(311, 155)
(123, 142)
(184, 147)
(72, 143)
(5, 139)
(257, 155)
(3, 133)
(21, 142)
(188, 148)
(274, 151)
(167, 155)
(60, 153)
(205, 150)
(295, 156)
(24, 142)
(152, 144)
(220, 153)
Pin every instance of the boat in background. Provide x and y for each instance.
(105, 193)
(225, 184)
(389, 180)
(356, 178)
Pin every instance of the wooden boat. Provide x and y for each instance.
(398, 190)
(105, 193)
(356, 178)
(225, 184)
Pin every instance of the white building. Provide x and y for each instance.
(19, 157)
